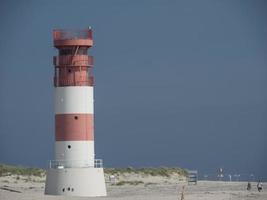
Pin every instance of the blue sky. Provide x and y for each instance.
(178, 83)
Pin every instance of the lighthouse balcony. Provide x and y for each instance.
(72, 38)
(73, 60)
(62, 164)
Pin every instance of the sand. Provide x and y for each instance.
(32, 188)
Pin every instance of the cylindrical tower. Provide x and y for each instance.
(74, 110)
(74, 117)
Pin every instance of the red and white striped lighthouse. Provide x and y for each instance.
(74, 171)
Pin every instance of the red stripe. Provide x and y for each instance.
(74, 127)
(72, 76)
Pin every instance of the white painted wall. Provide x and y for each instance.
(73, 99)
(80, 153)
(86, 182)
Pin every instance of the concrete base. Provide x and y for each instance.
(86, 182)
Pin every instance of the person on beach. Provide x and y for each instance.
(259, 186)
(249, 186)
(182, 194)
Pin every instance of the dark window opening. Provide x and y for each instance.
(72, 51)
(69, 70)
(82, 51)
(76, 117)
(69, 146)
(68, 188)
(63, 190)
(72, 189)
(68, 51)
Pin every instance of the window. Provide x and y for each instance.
(67, 51)
(72, 51)
(82, 51)
(76, 117)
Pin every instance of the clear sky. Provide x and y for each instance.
(178, 83)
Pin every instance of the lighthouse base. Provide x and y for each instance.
(86, 182)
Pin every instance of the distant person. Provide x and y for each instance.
(230, 177)
(182, 193)
(249, 186)
(259, 186)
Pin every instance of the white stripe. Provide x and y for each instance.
(76, 152)
(74, 99)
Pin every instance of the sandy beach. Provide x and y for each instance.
(31, 188)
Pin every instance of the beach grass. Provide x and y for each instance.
(6, 170)
(152, 171)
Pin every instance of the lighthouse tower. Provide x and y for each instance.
(74, 170)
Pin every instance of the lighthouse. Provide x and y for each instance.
(74, 170)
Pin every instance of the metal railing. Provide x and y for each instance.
(98, 163)
(229, 177)
(62, 164)
(73, 60)
(61, 34)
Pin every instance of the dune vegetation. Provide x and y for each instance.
(152, 171)
(6, 170)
